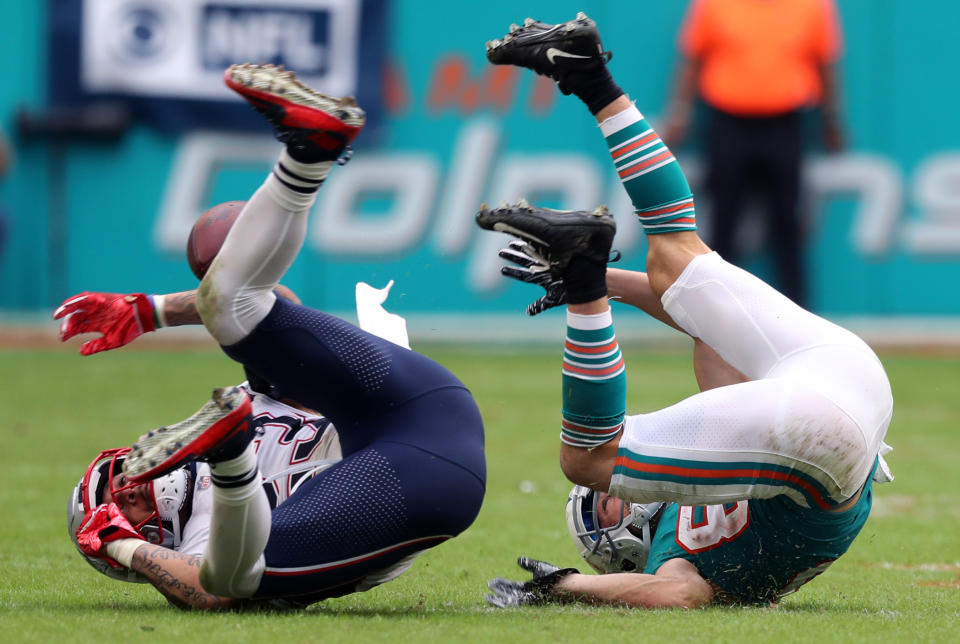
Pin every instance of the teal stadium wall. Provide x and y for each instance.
(884, 234)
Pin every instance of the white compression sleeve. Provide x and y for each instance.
(233, 562)
(237, 291)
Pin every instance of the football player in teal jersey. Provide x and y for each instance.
(738, 494)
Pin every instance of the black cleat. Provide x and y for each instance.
(558, 235)
(552, 50)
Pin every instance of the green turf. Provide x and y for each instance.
(898, 582)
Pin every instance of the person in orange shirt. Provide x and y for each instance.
(759, 66)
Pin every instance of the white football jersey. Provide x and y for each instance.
(292, 445)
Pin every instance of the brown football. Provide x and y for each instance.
(208, 233)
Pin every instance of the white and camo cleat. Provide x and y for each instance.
(218, 431)
(301, 116)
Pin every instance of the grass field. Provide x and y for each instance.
(900, 581)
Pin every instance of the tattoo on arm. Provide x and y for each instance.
(181, 308)
(177, 577)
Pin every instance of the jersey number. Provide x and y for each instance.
(702, 527)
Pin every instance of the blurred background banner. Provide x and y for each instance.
(881, 219)
(166, 59)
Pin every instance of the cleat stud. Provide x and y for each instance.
(514, 27)
(528, 21)
(150, 434)
(581, 15)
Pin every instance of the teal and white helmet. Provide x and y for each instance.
(618, 548)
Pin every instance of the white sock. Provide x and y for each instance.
(239, 528)
(589, 322)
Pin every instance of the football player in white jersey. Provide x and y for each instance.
(292, 444)
(740, 493)
(293, 518)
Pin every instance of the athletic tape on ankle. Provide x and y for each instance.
(306, 172)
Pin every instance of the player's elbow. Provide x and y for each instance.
(203, 602)
(693, 592)
(694, 596)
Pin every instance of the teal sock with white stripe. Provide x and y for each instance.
(594, 381)
(650, 174)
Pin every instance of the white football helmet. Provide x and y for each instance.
(172, 497)
(618, 548)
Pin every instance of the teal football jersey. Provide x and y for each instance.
(759, 550)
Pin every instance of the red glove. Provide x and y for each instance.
(101, 525)
(119, 318)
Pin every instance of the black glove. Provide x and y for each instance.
(534, 268)
(508, 593)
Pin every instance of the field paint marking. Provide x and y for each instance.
(920, 567)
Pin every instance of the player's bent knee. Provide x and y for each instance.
(229, 313)
(592, 468)
(695, 594)
(237, 585)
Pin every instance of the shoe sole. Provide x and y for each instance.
(534, 220)
(289, 103)
(534, 225)
(516, 39)
(165, 449)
